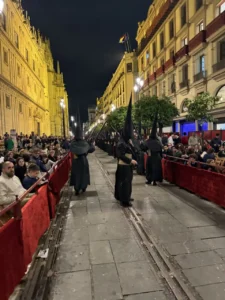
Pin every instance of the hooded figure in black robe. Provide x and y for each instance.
(80, 175)
(125, 156)
(154, 165)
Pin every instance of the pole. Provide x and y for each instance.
(64, 128)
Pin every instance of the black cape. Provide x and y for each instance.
(154, 164)
(80, 175)
(124, 173)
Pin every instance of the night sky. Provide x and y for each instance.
(84, 37)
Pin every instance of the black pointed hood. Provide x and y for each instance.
(128, 125)
(153, 134)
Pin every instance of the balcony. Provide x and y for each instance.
(184, 84)
(157, 22)
(219, 66)
(215, 25)
(181, 53)
(146, 82)
(199, 76)
(160, 71)
(152, 77)
(169, 63)
(197, 40)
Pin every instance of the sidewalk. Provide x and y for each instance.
(190, 231)
(100, 256)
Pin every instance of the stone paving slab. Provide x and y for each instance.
(100, 257)
(188, 228)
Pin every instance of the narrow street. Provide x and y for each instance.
(171, 245)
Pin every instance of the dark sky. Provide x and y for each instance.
(84, 37)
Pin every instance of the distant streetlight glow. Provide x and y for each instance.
(72, 118)
(75, 124)
(135, 88)
(113, 107)
(1, 6)
(62, 104)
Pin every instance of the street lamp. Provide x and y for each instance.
(72, 118)
(113, 107)
(75, 124)
(137, 87)
(1, 6)
(63, 106)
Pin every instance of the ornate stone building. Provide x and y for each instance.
(120, 87)
(181, 53)
(30, 88)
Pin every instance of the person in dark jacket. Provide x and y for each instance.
(35, 158)
(80, 175)
(20, 168)
(154, 165)
(126, 161)
(216, 143)
(32, 176)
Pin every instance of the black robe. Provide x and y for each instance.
(124, 173)
(80, 175)
(139, 156)
(154, 164)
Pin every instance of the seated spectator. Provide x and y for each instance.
(192, 161)
(47, 162)
(20, 169)
(176, 139)
(221, 152)
(32, 176)
(35, 158)
(209, 155)
(52, 156)
(10, 157)
(10, 185)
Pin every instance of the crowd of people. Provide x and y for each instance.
(194, 150)
(25, 161)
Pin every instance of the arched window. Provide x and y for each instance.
(183, 107)
(221, 94)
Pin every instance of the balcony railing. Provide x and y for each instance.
(169, 63)
(197, 40)
(215, 25)
(181, 53)
(146, 82)
(219, 66)
(157, 22)
(184, 84)
(152, 77)
(199, 76)
(160, 71)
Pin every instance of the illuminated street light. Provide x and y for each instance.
(72, 118)
(113, 107)
(135, 88)
(63, 106)
(75, 124)
(1, 6)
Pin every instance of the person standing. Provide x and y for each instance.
(126, 161)
(154, 165)
(80, 175)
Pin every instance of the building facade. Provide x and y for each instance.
(120, 87)
(30, 89)
(181, 53)
(91, 114)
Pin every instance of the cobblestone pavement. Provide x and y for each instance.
(101, 257)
